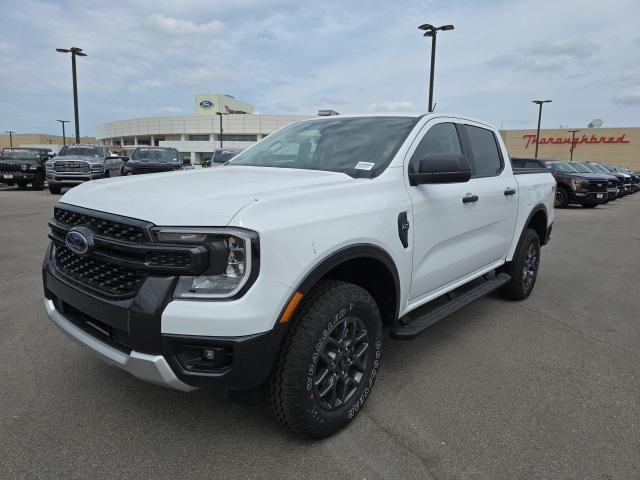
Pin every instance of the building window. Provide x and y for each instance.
(157, 140)
(144, 141)
(198, 138)
(239, 138)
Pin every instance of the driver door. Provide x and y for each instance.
(445, 229)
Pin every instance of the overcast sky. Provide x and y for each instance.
(150, 57)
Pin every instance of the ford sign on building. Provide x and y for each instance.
(211, 103)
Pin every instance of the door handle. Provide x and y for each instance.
(510, 191)
(470, 198)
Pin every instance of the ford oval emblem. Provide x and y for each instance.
(77, 242)
(206, 104)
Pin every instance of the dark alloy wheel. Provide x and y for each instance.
(561, 199)
(328, 362)
(341, 364)
(523, 269)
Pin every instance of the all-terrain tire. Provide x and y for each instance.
(22, 185)
(523, 269)
(295, 392)
(38, 182)
(55, 189)
(590, 205)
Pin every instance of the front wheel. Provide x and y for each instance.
(590, 205)
(561, 199)
(55, 189)
(38, 182)
(329, 361)
(22, 185)
(523, 269)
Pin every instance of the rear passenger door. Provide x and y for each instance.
(497, 191)
(453, 239)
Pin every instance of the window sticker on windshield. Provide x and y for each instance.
(364, 166)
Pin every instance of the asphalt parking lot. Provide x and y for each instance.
(546, 388)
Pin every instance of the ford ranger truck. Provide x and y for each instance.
(76, 164)
(278, 270)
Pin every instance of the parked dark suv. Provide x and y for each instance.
(586, 189)
(24, 166)
(155, 160)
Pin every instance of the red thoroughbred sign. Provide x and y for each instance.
(531, 140)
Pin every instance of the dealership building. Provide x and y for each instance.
(223, 118)
(218, 119)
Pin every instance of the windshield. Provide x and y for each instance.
(155, 155)
(347, 145)
(592, 168)
(20, 154)
(224, 155)
(581, 168)
(600, 168)
(564, 167)
(82, 151)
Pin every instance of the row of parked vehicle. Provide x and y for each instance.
(585, 183)
(76, 164)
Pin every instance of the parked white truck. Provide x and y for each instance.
(279, 269)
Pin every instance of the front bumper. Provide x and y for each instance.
(151, 368)
(584, 197)
(17, 176)
(61, 178)
(131, 334)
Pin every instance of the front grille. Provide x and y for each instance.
(150, 169)
(104, 277)
(613, 183)
(598, 186)
(121, 255)
(10, 167)
(108, 228)
(71, 167)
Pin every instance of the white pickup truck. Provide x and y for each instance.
(279, 269)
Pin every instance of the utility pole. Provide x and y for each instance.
(573, 140)
(10, 132)
(64, 138)
(539, 102)
(75, 52)
(431, 31)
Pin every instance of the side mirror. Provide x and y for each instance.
(51, 154)
(441, 168)
(114, 155)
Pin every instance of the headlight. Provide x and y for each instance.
(230, 266)
(49, 167)
(24, 167)
(580, 184)
(97, 168)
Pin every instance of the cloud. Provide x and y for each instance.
(286, 56)
(176, 26)
(398, 106)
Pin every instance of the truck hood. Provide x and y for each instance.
(202, 197)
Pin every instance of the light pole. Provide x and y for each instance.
(64, 138)
(75, 52)
(573, 139)
(220, 117)
(431, 31)
(539, 102)
(10, 132)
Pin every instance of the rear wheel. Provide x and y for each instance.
(55, 189)
(562, 198)
(523, 269)
(328, 362)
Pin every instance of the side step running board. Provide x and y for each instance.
(411, 328)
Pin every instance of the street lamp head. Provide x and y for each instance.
(540, 102)
(446, 27)
(81, 54)
(426, 26)
(62, 50)
(429, 33)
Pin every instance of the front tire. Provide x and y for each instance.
(55, 189)
(329, 361)
(590, 205)
(523, 269)
(38, 182)
(22, 185)
(561, 199)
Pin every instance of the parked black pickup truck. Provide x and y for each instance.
(612, 180)
(155, 159)
(24, 166)
(586, 189)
